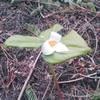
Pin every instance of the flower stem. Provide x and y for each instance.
(59, 92)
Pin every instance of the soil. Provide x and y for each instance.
(14, 62)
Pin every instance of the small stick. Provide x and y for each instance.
(52, 70)
(30, 73)
(78, 79)
(46, 90)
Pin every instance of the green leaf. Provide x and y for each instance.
(77, 47)
(15, 1)
(74, 39)
(65, 1)
(12, 1)
(46, 1)
(96, 95)
(79, 1)
(91, 6)
(45, 34)
(32, 28)
(35, 11)
(29, 41)
(61, 57)
(29, 93)
(23, 41)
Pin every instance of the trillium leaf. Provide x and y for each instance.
(29, 41)
(45, 34)
(76, 45)
(23, 41)
(73, 39)
(61, 57)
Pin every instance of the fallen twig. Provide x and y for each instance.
(78, 79)
(30, 73)
(46, 90)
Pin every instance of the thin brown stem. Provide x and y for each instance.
(52, 70)
(30, 73)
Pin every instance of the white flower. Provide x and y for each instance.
(53, 44)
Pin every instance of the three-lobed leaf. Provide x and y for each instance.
(76, 44)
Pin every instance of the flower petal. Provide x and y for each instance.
(55, 36)
(47, 49)
(60, 47)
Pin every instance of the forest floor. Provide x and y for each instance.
(78, 78)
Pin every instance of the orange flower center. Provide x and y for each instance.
(52, 43)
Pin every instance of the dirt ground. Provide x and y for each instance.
(14, 62)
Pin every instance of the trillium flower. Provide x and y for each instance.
(56, 48)
(54, 44)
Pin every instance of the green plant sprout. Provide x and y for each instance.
(55, 48)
